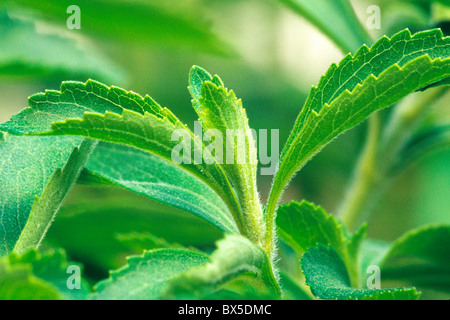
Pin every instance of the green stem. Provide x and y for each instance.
(365, 180)
(270, 235)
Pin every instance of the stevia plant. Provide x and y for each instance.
(88, 132)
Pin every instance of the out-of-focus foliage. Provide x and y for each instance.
(30, 53)
(336, 19)
(271, 56)
(134, 22)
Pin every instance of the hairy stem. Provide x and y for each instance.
(270, 235)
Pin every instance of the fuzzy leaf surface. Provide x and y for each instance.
(304, 225)
(31, 181)
(112, 114)
(328, 278)
(235, 256)
(146, 276)
(221, 112)
(158, 179)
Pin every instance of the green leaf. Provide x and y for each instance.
(291, 289)
(336, 19)
(423, 276)
(328, 278)
(429, 140)
(51, 267)
(235, 256)
(89, 223)
(347, 94)
(219, 110)
(33, 53)
(31, 168)
(18, 283)
(138, 242)
(420, 257)
(158, 179)
(430, 243)
(38, 276)
(425, 3)
(112, 114)
(141, 23)
(304, 225)
(46, 205)
(370, 80)
(146, 276)
(197, 76)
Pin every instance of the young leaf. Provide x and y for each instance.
(146, 276)
(111, 114)
(158, 179)
(336, 19)
(219, 109)
(235, 256)
(347, 94)
(31, 168)
(328, 278)
(303, 225)
(30, 53)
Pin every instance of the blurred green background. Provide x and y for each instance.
(266, 53)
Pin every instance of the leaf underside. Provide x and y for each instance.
(158, 179)
(111, 114)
